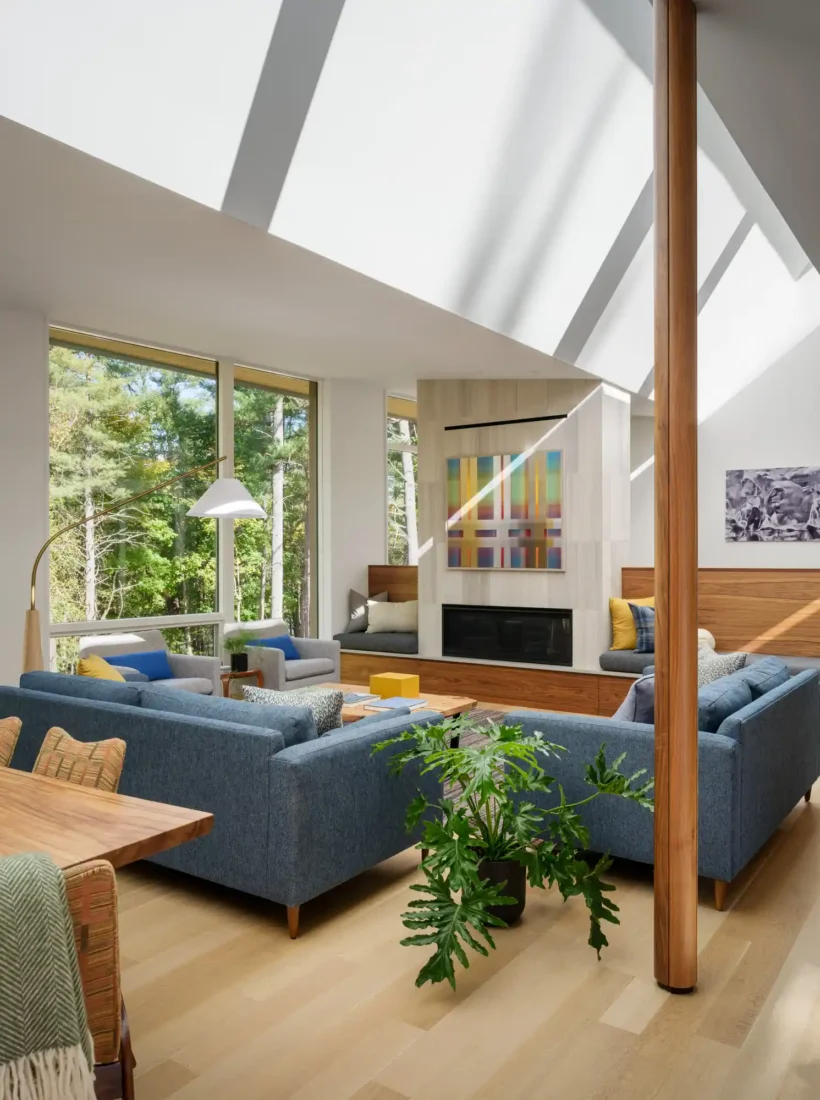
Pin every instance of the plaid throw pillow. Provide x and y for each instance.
(644, 628)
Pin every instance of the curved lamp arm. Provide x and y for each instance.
(107, 512)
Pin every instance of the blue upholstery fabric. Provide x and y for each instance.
(294, 723)
(324, 827)
(285, 833)
(372, 719)
(214, 766)
(645, 700)
(153, 663)
(82, 687)
(716, 701)
(644, 627)
(281, 641)
(751, 774)
(763, 676)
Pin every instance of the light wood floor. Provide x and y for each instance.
(222, 1004)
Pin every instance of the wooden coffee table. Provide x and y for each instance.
(447, 705)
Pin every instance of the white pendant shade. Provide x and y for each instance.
(227, 498)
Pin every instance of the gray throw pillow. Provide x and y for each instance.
(357, 610)
(713, 666)
(324, 704)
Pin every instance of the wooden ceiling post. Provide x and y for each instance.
(676, 527)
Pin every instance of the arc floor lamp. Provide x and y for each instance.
(225, 498)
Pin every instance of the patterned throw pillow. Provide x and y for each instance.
(644, 628)
(9, 732)
(84, 763)
(324, 704)
(711, 665)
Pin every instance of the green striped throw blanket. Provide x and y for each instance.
(45, 1047)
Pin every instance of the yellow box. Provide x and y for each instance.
(388, 684)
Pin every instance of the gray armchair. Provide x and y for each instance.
(197, 674)
(319, 661)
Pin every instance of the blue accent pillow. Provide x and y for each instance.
(154, 663)
(763, 675)
(645, 700)
(644, 627)
(719, 700)
(281, 641)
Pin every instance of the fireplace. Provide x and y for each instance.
(525, 635)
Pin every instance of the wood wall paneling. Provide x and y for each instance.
(400, 582)
(757, 610)
(539, 689)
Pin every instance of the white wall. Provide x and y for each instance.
(595, 442)
(24, 484)
(772, 422)
(352, 494)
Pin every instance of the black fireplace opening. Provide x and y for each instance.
(526, 635)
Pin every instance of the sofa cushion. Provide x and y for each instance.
(644, 618)
(379, 643)
(714, 666)
(281, 641)
(325, 706)
(624, 660)
(720, 699)
(763, 675)
(198, 684)
(132, 676)
(82, 687)
(645, 700)
(154, 663)
(304, 667)
(793, 664)
(295, 723)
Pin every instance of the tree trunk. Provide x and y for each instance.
(304, 593)
(277, 547)
(411, 519)
(90, 558)
(262, 590)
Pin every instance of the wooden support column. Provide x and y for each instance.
(676, 527)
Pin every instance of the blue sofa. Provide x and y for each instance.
(294, 814)
(752, 771)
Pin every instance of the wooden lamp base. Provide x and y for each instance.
(32, 643)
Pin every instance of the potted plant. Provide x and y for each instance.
(485, 840)
(235, 645)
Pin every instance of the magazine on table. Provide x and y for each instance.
(397, 703)
(354, 698)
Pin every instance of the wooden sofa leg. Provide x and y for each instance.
(425, 852)
(293, 921)
(807, 795)
(720, 894)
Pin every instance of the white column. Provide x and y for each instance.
(24, 455)
(352, 494)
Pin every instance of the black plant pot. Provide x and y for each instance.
(239, 662)
(515, 876)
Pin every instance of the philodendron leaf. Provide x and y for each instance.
(453, 855)
(454, 921)
(607, 779)
(415, 812)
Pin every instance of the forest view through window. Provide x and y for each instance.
(273, 444)
(119, 425)
(402, 480)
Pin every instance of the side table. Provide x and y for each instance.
(226, 678)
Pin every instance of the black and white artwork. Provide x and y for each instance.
(781, 504)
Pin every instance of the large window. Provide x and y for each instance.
(119, 424)
(274, 457)
(402, 481)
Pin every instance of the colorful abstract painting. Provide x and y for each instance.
(505, 511)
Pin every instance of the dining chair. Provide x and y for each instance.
(84, 763)
(91, 889)
(9, 732)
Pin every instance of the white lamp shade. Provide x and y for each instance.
(227, 498)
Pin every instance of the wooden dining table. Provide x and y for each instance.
(73, 824)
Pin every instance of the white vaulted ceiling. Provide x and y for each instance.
(490, 157)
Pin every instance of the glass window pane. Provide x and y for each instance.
(118, 426)
(402, 484)
(273, 437)
(199, 640)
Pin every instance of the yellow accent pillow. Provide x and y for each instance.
(624, 635)
(98, 669)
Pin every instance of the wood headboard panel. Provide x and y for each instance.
(400, 582)
(757, 610)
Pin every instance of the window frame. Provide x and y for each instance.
(399, 408)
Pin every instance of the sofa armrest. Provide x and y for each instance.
(271, 662)
(208, 668)
(320, 647)
(336, 811)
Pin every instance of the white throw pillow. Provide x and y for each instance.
(392, 618)
(705, 638)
